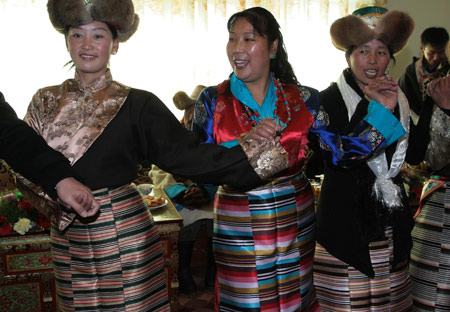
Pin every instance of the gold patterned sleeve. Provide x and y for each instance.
(59, 214)
(266, 157)
(33, 115)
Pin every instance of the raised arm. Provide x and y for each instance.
(378, 129)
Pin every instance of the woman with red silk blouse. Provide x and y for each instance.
(264, 237)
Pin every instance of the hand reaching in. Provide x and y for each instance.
(79, 197)
(194, 197)
(439, 90)
(383, 90)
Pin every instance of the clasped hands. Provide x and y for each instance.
(264, 150)
(267, 129)
(78, 197)
(439, 90)
(384, 90)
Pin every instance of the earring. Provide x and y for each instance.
(273, 56)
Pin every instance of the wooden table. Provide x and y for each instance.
(26, 272)
(169, 222)
(27, 259)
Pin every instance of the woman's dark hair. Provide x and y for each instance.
(265, 24)
(352, 48)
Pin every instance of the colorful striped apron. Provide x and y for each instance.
(264, 247)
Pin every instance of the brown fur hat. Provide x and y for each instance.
(183, 101)
(187, 103)
(393, 28)
(118, 13)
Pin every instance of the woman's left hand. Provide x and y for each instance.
(267, 129)
(384, 91)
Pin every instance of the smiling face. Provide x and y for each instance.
(90, 47)
(369, 61)
(249, 53)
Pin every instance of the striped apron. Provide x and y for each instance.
(430, 255)
(114, 263)
(341, 287)
(264, 247)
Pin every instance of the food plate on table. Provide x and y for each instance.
(155, 202)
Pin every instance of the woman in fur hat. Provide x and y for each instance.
(363, 219)
(264, 237)
(113, 261)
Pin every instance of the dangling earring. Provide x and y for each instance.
(273, 56)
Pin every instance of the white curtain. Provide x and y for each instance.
(179, 44)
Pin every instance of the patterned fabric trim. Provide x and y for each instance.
(266, 157)
(429, 187)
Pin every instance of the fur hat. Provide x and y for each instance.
(393, 28)
(187, 103)
(183, 101)
(117, 13)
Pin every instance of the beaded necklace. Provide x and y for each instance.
(254, 116)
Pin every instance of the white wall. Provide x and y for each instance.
(33, 53)
(426, 13)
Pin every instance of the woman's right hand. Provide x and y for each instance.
(384, 91)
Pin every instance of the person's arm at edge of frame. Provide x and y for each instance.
(47, 167)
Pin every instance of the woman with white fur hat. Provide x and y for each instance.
(113, 261)
(363, 220)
